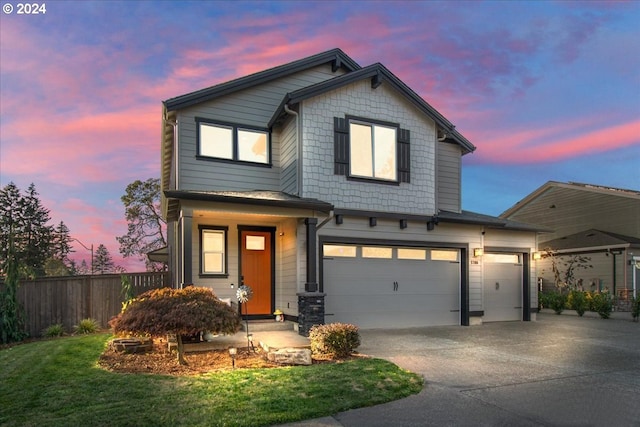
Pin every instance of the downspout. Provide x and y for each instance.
(298, 149)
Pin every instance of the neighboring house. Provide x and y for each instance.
(333, 191)
(600, 223)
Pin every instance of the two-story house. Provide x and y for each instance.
(333, 191)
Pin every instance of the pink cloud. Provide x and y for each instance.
(555, 143)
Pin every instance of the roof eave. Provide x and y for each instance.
(336, 57)
(378, 73)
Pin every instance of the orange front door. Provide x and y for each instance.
(256, 262)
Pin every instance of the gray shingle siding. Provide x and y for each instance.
(359, 99)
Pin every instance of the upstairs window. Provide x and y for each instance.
(371, 150)
(233, 143)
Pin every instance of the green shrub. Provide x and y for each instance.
(56, 330)
(577, 300)
(602, 304)
(334, 339)
(635, 308)
(557, 302)
(86, 326)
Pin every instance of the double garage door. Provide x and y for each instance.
(383, 286)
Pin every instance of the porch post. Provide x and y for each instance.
(311, 284)
(187, 248)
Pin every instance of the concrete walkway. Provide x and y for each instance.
(558, 371)
(271, 339)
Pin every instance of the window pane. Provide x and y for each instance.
(213, 248)
(376, 252)
(501, 258)
(252, 146)
(361, 153)
(255, 243)
(385, 152)
(213, 263)
(418, 254)
(444, 255)
(216, 141)
(212, 241)
(339, 251)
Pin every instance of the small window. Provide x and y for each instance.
(255, 243)
(410, 253)
(501, 258)
(339, 251)
(229, 142)
(376, 252)
(213, 244)
(444, 255)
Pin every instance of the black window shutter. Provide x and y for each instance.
(341, 146)
(404, 155)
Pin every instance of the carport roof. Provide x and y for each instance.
(592, 239)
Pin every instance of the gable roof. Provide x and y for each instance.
(592, 239)
(336, 57)
(574, 186)
(378, 74)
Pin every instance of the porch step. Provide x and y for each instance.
(268, 325)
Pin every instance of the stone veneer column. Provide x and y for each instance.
(310, 311)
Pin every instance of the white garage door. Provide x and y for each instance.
(382, 287)
(502, 287)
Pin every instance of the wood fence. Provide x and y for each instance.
(67, 300)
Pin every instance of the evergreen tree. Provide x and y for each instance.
(61, 244)
(83, 269)
(103, 262)
(24, 220)
(9, 218)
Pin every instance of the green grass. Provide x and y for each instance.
(58, 383)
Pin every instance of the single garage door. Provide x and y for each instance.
(382, 287)
(502, 287)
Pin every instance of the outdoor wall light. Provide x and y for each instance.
(232, 352)
(478, 252)
(536, 256)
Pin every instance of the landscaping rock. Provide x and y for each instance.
(132, 345)
(290, 356)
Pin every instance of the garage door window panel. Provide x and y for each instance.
(377, 252)
(339, 251)
(444, 255)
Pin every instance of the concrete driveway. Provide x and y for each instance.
(558, 371)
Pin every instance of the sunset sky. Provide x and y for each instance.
(544, 90)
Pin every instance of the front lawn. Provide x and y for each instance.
(58, 383)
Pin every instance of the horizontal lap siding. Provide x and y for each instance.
(288, 156)
(448, 178)
(251, 107)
